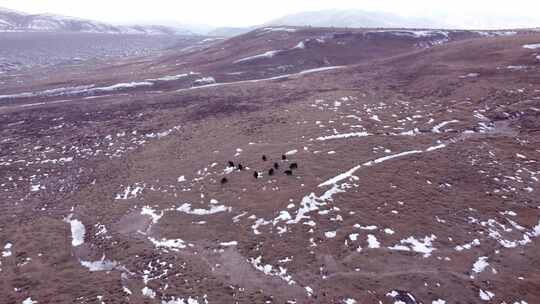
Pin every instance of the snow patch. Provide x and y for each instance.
(330, 234)
(301, 45)
(372, 241)
(173, 77)
(424, 246)
(7, 250)
(130, 192)
(189, 300)
(186, 208)
(168, 244)
(228, 244)
(486, 295)
(267, 269)
(292, 152)
(470, 75)
(321, 69)
(147, 292)
(532, 46)
(467, 246)
(147, 210)
(77, 231)
(205, 81)
(101, 265)
(437, 128)
(268, 54)
(480, 264)
(279, 29)
(345, 135)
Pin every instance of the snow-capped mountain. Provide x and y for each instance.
(11, 20)
(354, 19)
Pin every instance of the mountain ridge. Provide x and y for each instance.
(354, 18)
(16, 21)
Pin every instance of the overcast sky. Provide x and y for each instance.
(253, 12)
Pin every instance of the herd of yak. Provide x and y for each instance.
(271, 171)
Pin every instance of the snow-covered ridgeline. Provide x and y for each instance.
(93, 90)
(310, 71)
(79, 90)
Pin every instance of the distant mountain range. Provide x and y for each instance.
(17, 21)
(14, 21)
(365, 19)
(354, 18)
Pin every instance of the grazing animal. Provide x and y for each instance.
(283, 157)
(240, 167)
(231, 164)
(256, 174)
(264, 158)
(293, 166)
(288, 172)
(276, 166)
(224, 180)
(271, 172)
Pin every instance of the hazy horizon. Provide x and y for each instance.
(242, 13)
